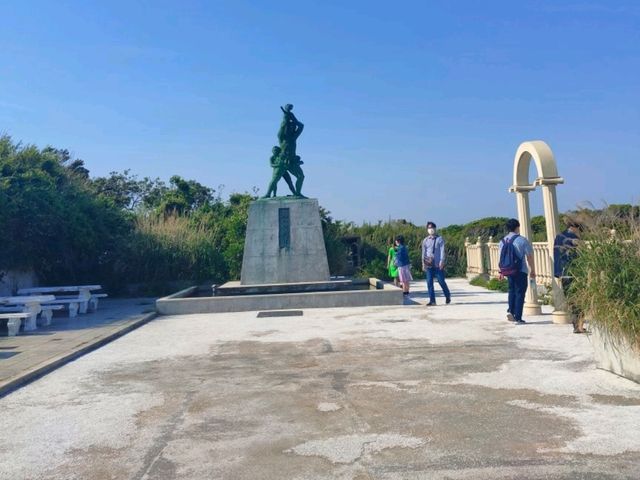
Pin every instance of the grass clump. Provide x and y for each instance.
(500, 285)
(479, 281)
(606, 273)
(496, 284)
(172, 248)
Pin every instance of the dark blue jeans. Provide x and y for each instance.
(518, 284)
(439, 275)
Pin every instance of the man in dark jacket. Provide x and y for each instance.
(564, 250)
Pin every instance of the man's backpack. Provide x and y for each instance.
(510, 263)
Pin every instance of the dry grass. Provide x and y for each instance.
(607, 276)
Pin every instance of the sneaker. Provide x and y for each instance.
(431, 304)
(448, 300)
(520, 322)
(510, 318)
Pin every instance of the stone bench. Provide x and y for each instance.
(81, 294)
(31, 304)
(93, 301)
(13, 321)
(72, 304)
(46, 312)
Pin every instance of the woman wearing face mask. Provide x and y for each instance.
(433, 263)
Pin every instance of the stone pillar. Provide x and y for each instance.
(552, 221)
(467, 243)
(481, 269)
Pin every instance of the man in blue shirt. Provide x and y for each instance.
(518, 281)
(433, 263)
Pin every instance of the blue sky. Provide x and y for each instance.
(411, 109)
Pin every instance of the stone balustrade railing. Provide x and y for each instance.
(475, 257)
(483, 257)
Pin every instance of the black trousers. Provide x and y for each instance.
(517, 289)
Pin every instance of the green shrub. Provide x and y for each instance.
(501, 285)
(375, 268)
(490, 283)
(606, 284)
(172, 248)
(50, 218)
(479, 281)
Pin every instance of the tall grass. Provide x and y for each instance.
(606, 273)
(172, 248)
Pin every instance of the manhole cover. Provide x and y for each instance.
(281, 313)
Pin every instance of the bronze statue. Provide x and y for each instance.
(284, 160)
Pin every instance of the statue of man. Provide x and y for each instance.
(290, 129)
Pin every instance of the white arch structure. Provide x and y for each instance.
(542, 156)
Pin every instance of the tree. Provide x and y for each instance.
(50, 219)
(129, 193)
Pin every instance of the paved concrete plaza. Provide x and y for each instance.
(30, 354)
(408, 392)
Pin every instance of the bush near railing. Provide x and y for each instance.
(606, 284)
(499, 285)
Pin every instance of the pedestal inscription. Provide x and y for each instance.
(284, 227)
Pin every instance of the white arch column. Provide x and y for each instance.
(531, 305)
(552, 221)
(540, 154)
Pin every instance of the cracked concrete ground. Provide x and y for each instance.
(407, 392)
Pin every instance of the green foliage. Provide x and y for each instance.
(113, 230)
(376, 268)
(334, 232)
(539, 228)
(479, 281)
(50, 219)
(204, 246)
(606, 275)
(125, 191)
(184, 196)
(166, 249)
(500, 285)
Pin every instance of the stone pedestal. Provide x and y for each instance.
(284, 243)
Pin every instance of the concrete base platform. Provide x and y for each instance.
(236, 288)
(364, 292)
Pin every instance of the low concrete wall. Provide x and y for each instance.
(12, 280)
(177, 304)
(615, 354)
